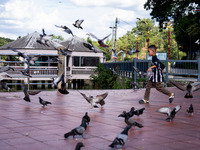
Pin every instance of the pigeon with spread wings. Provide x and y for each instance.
(6, 68)
(139, 72)
(189, 88)
(169, 112)
(99, 99)
(66, 29)
(78, 23)
(100, 41)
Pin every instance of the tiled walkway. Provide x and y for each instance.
(28, 126)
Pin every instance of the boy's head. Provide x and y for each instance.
(152, 50)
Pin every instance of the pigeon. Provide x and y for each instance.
(55, 59)
(4, 75)
(33, 59)
(34, 92)
(133, 50)
(26, 57)
(65, 53)
(43, 102)
(44, 38)
(100, 41)
(63, 90)
(188, 88)
(140, 73)
(139, 111)
(57, 80)
(130, 121)
(79, 145)
(78, 23)
(99, 99)
(121, 138)
(90, 46)
(3, 85)
(170, 113)
(134, 85)
(78, 130)
(66, 29)
(26, 98)
(190, 110)
(87, 118)
(26, 72)
(6, 68)
(129, 114)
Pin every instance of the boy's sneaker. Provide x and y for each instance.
(171, 98)
(142, 101)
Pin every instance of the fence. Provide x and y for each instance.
(175, 69)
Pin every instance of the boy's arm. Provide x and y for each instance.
(151, 68)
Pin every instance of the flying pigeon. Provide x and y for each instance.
(78, 23)
(3, 85)
(33, 59)
(57, 80)
(66, 29)
(134, 85)
(63, 90)
(129, 114)
(90, 47)
(121, 138)
(6, 68)
(87, 118)
(100, 41)
(190, 110)
(65, 53)
(26, 98)
(4, 75)
(43, 102)
(140, 73)
(130, 121)
(188, 88)
(26, 57)
(170, 113)
(26, 72)
(133, 50)
(55, 59)
(34, 92)
(139, 111)
(99, 99)
(78, 130)
(79, 145)
(44, 38)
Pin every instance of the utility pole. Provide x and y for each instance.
(168, 26)
(116, 21)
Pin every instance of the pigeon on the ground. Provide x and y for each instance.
(100, 41)
(139, 111)
(99, 99)
(190, 110)
(134, 85)
(66, 29)
(6, 68)
(121, 138)
(26, 98)
(43, 102)
(90, 46)
(170, 113)
(78, 23)
(130, 121)
(3, 85)
(79, 145)
(140, 73)
(4, 75)
(78, 130)
(57, 80)
(188, 88)
(63, 89)
(87, 118)
(130, 113)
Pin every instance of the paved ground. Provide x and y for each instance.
(25, 125)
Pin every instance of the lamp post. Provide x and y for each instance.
(169, 26)
(137, 38)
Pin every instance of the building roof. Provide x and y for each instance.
(76, 45)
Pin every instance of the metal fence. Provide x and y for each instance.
(176, 69)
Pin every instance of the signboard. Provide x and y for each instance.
(161, 56)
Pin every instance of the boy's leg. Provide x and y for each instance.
(147, 93)
(163, 90)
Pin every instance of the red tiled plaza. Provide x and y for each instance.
(29, 126)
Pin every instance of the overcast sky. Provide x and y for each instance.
(20, 17)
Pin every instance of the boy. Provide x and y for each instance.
(156, 77)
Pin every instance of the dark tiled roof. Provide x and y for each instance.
(77, 45)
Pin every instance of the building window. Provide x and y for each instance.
(85, 61)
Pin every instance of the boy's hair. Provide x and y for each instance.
(152, 47)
